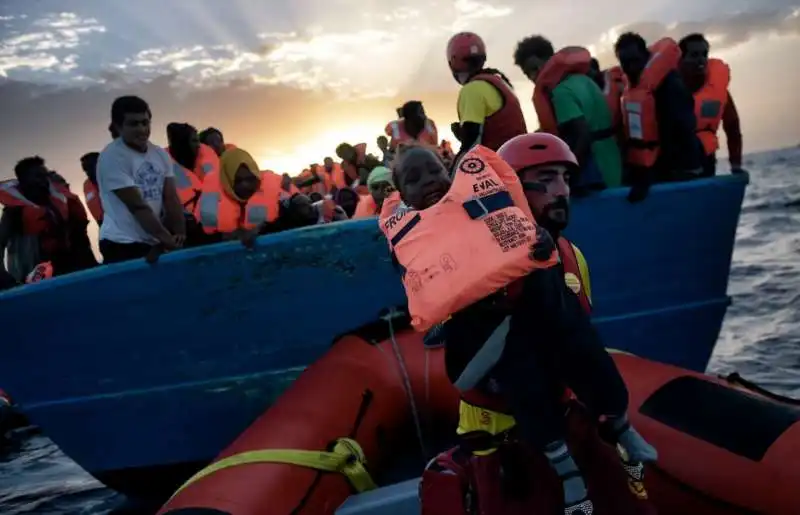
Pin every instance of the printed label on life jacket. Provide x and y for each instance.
(395, 218)
(634, 113)
(710, 108)
(509, 228)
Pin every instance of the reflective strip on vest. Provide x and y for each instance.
(57, 194)
(11, 188)
(633, 110)
(256, 215)
(395, 130)
(182, 180)
(206, 167)
(90, 196)
(209, 210)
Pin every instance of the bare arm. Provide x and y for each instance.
(733, 133)
(173, 210)
(143, 214)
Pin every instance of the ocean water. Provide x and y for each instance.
(760, 339)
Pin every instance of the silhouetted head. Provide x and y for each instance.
(328, 164)
(531, 55)
(33, 177)
(632, 53)
(130, 118)
(300, 211)
(89, 165)
(694, 55)
(420, 176)
(347, 152)
(595, 73)
(347, 199)
(214, 139)
(383, 143)
(315, 196)
(184, 144)
(380, 184)
(57, 178)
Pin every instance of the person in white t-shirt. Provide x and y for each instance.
(136, 183)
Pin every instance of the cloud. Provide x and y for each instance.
(46, 44)
(723, 33)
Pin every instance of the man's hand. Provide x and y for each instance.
(179, 240)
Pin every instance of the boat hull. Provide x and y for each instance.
(147, 371)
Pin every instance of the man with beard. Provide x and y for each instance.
(529, 383)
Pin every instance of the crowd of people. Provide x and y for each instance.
(653, 118)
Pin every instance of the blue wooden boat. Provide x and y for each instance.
(142, 373)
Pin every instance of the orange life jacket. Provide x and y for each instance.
(35, 218)
(290, 190)
(396, 130)
(473, 242)
(709, 103)
(614, 85)
(639, 115)
(325, 184)
(217, 212)
(93, 200)
(337, 176)
(567, 61)
(366, 207)
(508, 121)
(190, 183)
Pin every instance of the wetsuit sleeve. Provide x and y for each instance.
(733, 132)
(682, 123)
(583, 268)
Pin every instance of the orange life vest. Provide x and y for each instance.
(337, 175)
(639, 115)
(35, 218)
(614, 85)
(508, 121)
(446, 150)
(366, 207)
(190, 183)
(290, 190)
(93, 200)
(473, 242)
(709, 103)
(567, 61)
(217, 212)
(396, 130)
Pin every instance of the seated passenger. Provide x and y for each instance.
(214, 139)
(570, 105)
(658, 115)
(348, 200)
(239, 201)
(412, 126)
(708, 80)
(380, 186)
(527, 334)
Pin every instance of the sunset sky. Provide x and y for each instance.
(288, 80)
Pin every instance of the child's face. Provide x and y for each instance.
(422, 178)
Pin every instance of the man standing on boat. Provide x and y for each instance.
(570, 105)
(708, 80)
(136, 182)
(658, 115)
(489, 112)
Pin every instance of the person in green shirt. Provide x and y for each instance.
(583, 117)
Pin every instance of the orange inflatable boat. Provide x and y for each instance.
(355, 413)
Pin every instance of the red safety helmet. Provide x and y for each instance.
(536, 148)
(461, 48)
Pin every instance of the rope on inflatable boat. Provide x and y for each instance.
(346, 458)
(735, 379)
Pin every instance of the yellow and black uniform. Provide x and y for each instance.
(489, 112)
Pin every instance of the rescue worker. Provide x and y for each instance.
(570, 105)
(543, 334)
(708, 80)
(89, 167)
(239, 201)
(413, 125)
(489, 112)
(661, 144)
(41, 222)
(380, 186)
(612, 83)
(137, 188)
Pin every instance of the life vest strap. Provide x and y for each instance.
(478, 208)
(417, 218)
(346, 458)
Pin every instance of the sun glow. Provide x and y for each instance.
(294, 159)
